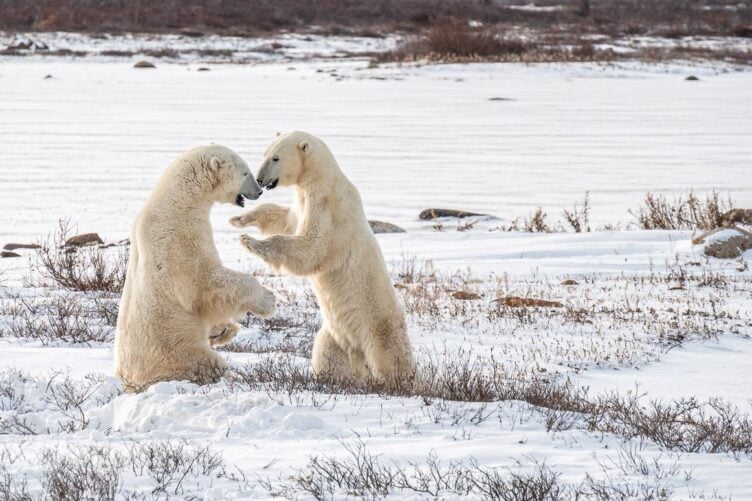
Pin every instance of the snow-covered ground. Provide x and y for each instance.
(89, 142)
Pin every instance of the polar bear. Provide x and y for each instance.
(178, 299)
(325, 236)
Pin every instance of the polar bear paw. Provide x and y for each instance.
(223, 334)
(243, 220)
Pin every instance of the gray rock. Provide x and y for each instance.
(9, 254)
(429, 214)
(83, 240)
(384, 227)
(692, 78)
(728, 244)
(144, 64)
(13, 246)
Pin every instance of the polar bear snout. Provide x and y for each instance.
(250, 190)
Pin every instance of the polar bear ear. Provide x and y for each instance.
(215, 163)
(304, 146)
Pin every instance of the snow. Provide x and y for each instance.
(89, 143)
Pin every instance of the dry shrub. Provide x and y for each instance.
(455, 37)
(578, 218)
(688, 213)
(537, 222)
(62, 318)
(91, 268)
(685, 425)
(96, 472)
(362, 474)
(87, 473)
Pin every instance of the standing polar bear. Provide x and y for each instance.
(326, 236)
(178, 299)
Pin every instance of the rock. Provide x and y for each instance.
(522, 302)
(9, 254)
(27, 44)
(727, 243)
(465, 295)
(144, 64)
(429, 214)
(48, 77)
(203, 68)
(384, 227)
(569, 281)
(83, 240)
(736, 216)
(692, 78)
(13, 246)
(743, 31)
(500, 99)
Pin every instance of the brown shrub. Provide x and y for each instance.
(682, 213)
(80, 269)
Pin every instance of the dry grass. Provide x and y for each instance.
(578, 218)
(682, 213)
(364, 475)
(455, 40)
(66, 318)
(97, 472)
(79, 269)
(685, 425)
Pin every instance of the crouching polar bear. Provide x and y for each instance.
(326, 236)
(178, 299)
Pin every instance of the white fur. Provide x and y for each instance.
(326, 236)
(178, 298)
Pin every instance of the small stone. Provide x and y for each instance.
(144, 64)
(429, 214)
(47, 77)
(83, 240)
(384, 227)
(692, 78)
(465, 295)
(522, 302)
(9, 254)
(500, 99)
(203, 68)
(570, 281)
(14, 246)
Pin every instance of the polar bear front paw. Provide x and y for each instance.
(223, 334)
(243, 220)
(250, 243)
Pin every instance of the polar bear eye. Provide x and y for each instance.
(245, 174)
(275, 158)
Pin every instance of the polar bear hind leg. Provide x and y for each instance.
(331, 361)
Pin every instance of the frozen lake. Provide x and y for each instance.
(90, 142)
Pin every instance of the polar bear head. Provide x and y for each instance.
(287, 161)
(219, 174)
